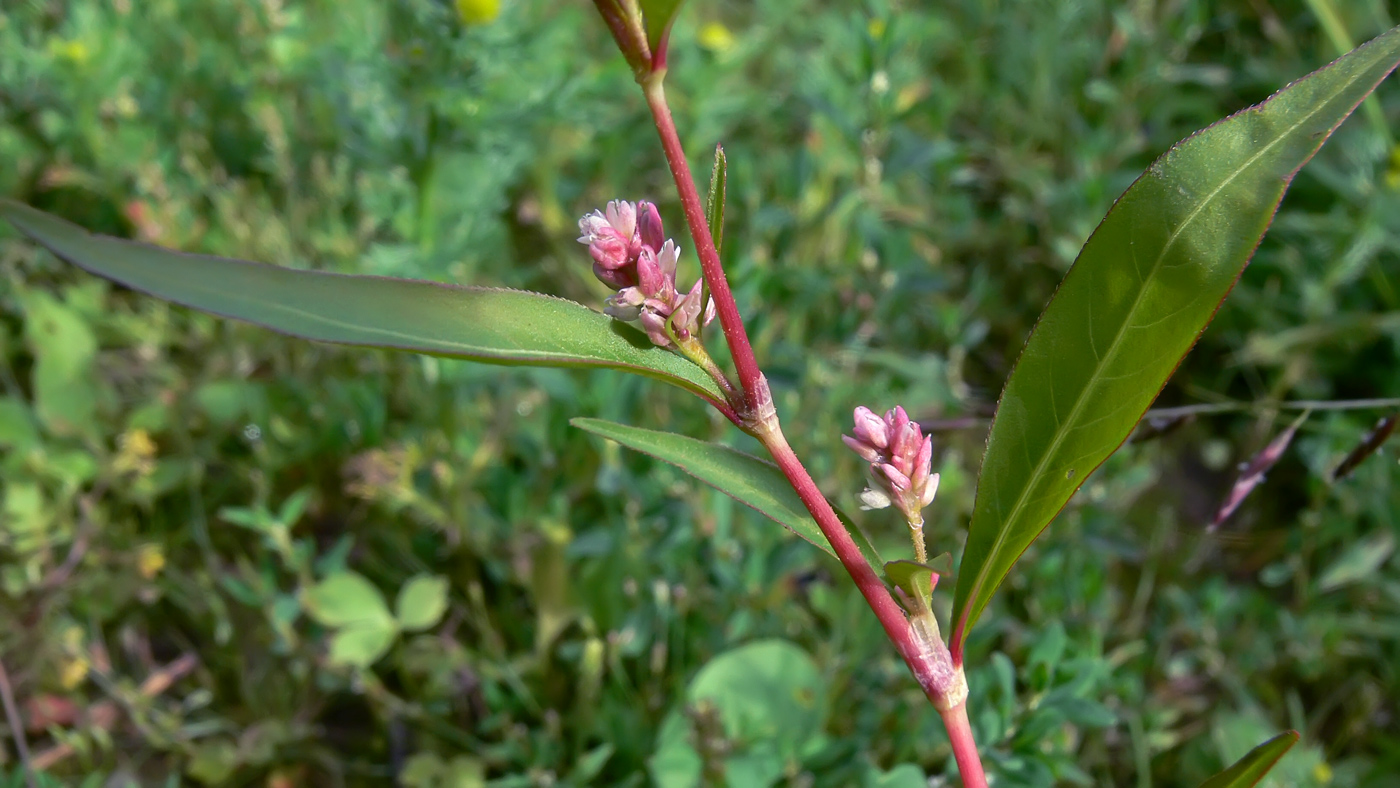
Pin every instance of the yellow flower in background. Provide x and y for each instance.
(716, 37)
(150, 559)
(136, 452)
(74, 51)
(478, 12)
(72, 673)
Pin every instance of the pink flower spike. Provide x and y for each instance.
(709, 316)
(871, 428)
(866, 451)
(649, 225)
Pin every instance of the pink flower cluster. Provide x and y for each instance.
(900, 457)
(630, 256)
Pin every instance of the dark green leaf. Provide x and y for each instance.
(1143, 288)
(743, 477)
(1250, 769)
(480, 324)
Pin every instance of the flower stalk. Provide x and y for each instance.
(915, 637)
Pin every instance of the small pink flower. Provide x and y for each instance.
(611, 237)
(649, 226)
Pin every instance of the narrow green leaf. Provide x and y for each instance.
(714, 204)
(1143, 288)
(658, 16)
(1249, 770)
(481, 324)
(747, 479)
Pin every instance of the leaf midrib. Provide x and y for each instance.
(1038, 472)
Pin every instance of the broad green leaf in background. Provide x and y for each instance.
(766, 699)
(1145, 285)
(658, 16)
(354, 608)
(1252, 768)
(481, 324)
(344, 599)
(743, 477)
(421, 602)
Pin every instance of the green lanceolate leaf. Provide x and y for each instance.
(481, 324)
(714, 204)
(747, 479)
(1249, 770)
(658, 16)
(1145, 285)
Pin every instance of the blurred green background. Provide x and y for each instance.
(232, 558)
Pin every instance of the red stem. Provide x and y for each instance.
(964, 748)
(928, 660)
(734, 334)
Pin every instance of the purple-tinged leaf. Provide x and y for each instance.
(1369, 445)
(1253, 472)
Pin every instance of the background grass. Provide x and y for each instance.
(908, 182)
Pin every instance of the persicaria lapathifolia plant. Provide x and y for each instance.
(1144, 286)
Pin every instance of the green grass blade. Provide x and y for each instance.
(1249, 770)
(1145, 285)
(747, 479)
(481, 324)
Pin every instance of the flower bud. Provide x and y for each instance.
(649, 276)
(870, 428)
(654, 323)
(687, 314)
(866, 451)
(667, 258)
(649, 226)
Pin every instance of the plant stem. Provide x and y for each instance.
(1199, 409)
(926, 654)
(734, 334)
(916, 654)
(916, 535)
(964, 748)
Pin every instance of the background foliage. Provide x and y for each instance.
(233, 558)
